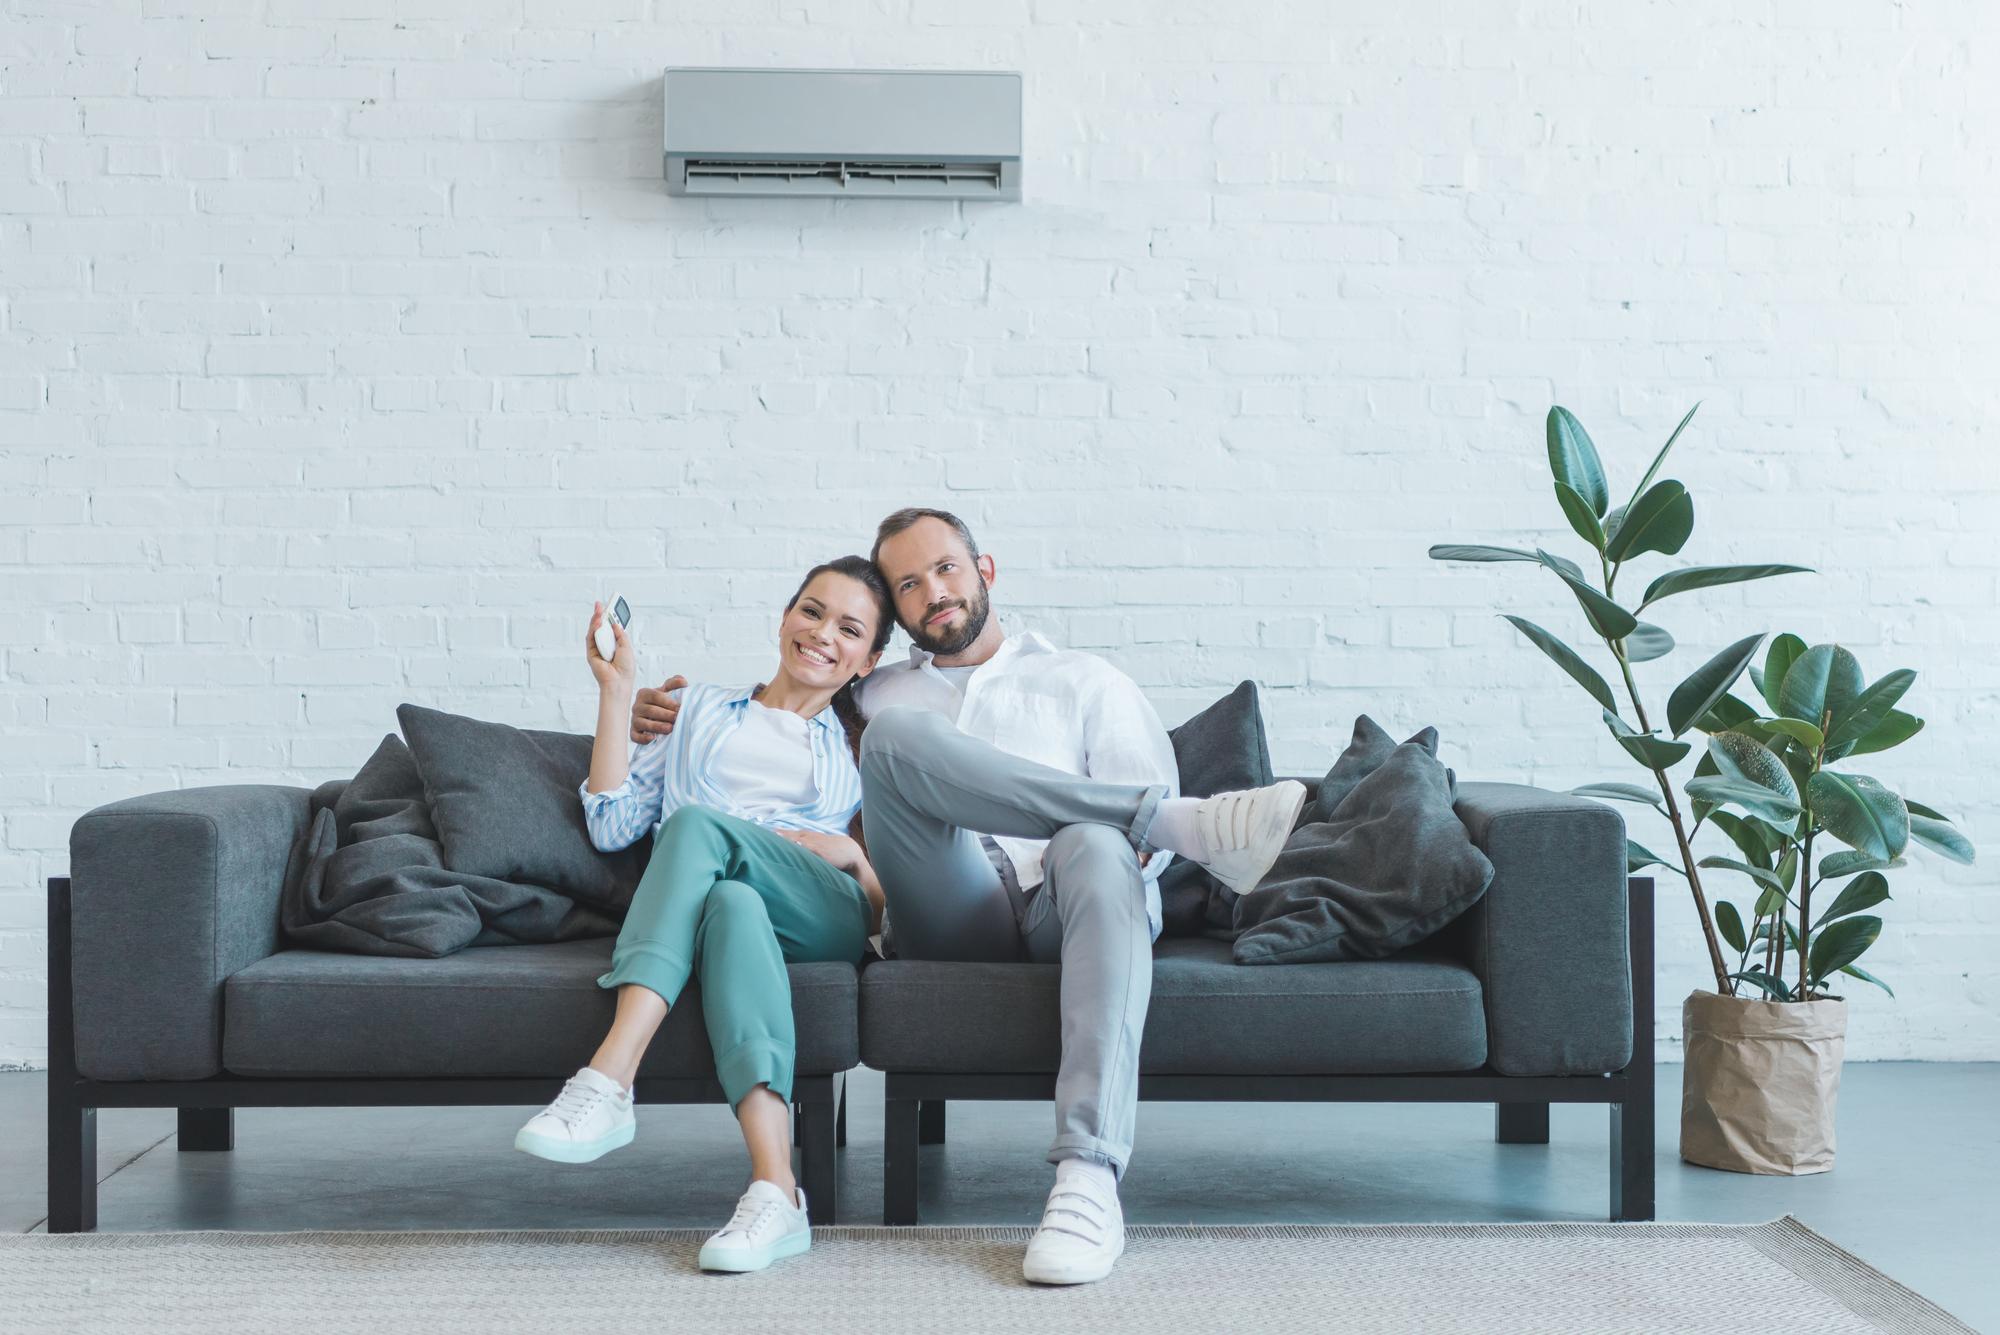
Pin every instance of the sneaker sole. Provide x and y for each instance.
(738, 1262)
(1297, 794)
(1099, 1268)
(570, 1151)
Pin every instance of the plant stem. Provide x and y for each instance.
(1723, 984)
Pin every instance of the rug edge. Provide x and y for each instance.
(1861, 1288)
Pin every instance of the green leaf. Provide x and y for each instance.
(1622, 792)
(1726, 714)
(1562, 565)
(1800, 731)
(1824, 677)
(1650, 751)
(1661, 457)
(1638, 855)
(1894, 730)
(1577, 510)
(1446, 551)
(1940, 837)
(1573, 460)
(1848, 861)
(1776, 987)
(1743, 758)
(1785, 651)
(1919, 809)
(1730, 924)
(1709, 683)
(1867, 977)
(1757, 840)
(1840, 945)
(1606, 617)
(1758, 801)
(1708, 577)
(1660, 521)
(1646, 643)
(1770, 901)
(1761, 875)
(1788, 868)
(1567, 659)
(1859, 812)
(1863, 892)
(1867, 713)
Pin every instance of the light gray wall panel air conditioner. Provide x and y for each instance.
(902, 134)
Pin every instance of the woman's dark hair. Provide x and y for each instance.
(861, 569)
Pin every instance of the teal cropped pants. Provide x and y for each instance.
(732, 903)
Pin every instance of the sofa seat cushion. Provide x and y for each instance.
(487, 1010)
(1415, 1012)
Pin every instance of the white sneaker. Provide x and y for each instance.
(1245, 831)
(589, 1119)
(765, 1228)
(1082, 1234)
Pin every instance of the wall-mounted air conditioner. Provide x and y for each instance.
(889, 134)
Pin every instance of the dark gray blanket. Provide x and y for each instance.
(369, 877)
(1379, 861)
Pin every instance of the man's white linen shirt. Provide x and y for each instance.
(1062, 708)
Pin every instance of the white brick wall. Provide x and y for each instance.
(352, 348)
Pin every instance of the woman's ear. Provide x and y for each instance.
(869, 666)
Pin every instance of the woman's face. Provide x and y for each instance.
(827, 637)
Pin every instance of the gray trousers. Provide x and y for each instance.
(928, 793)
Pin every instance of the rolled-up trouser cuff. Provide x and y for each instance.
(754, 1062)
(1091, 1148)
(657, 971)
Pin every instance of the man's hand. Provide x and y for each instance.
(653, 713)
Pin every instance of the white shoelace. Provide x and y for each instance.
(1229, 822)
(576, 1102)
(750, 1216)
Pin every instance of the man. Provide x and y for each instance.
(1019, 801)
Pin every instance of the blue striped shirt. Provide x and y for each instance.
(676, 771)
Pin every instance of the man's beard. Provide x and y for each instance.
(954, 641)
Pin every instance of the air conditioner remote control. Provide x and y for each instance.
(615, 609)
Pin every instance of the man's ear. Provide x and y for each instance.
(986, 568)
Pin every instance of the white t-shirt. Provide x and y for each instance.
(767, 763)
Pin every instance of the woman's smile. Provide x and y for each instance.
(816, 657)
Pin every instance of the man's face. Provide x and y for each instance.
(940, 590)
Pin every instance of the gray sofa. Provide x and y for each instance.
(170, 986)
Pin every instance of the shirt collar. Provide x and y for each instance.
(1026, 642)
(740, 698)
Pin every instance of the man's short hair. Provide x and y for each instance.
(907, 517)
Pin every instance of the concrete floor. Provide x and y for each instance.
(1914, 1192)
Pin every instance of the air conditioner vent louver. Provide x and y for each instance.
(974, 178)
(909, 134)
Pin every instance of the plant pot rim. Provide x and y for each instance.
(1748, 1003)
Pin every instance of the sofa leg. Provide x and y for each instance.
(207, 1129)
(900, 1138)
(72, 1168)
(930, 1122)
(1521, 1123)
(819, 1170)
(840, 1117)
(1632, 1161)
(1632, 1118)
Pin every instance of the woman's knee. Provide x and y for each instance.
(734, 902)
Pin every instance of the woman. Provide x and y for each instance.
(753, 795)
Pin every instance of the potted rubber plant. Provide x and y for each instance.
(1764, 1049)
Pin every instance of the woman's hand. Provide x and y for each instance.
(839, 850)
(622, 671)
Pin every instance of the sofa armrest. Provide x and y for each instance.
(1549, 939)
(170, 894)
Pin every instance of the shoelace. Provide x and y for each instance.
(1094, 1222)
(750, 1215)
(575, 1102)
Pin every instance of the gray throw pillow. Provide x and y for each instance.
(505, 804)
(1390, 865)
(1219, 750)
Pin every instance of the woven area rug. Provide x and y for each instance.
(1586, 1278)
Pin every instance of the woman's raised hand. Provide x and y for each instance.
(837, 849)
(623, 669)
